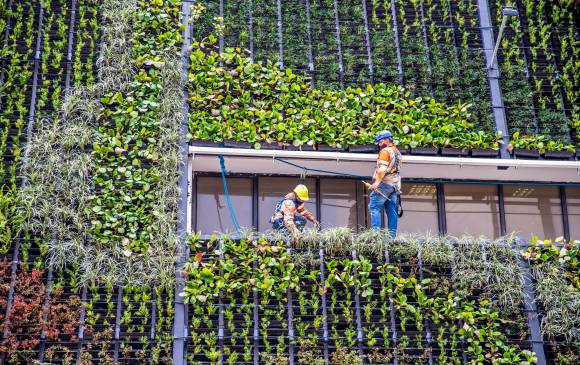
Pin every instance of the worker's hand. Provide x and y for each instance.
(374, 186)
(316, 225)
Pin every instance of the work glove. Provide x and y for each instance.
(317, 225)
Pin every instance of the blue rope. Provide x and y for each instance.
(227, 194)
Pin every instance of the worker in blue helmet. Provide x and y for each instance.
(386, 186)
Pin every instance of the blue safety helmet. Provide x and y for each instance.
(384, 134)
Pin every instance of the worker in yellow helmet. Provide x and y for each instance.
(291, 214)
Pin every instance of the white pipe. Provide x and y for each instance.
(363, 157)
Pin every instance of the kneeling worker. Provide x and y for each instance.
(290, 213)
(386, 186)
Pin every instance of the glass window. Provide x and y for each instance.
(573, 200)
(420, 206)
(211, 207)
(472, 210)
(338, 203)
(273, 189)
(533, 210)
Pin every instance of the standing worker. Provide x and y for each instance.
(386, 186)
(291, 214)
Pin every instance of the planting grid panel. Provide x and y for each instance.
(384, 340)
(547, 100)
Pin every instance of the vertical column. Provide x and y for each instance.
(180, 318)
(6, 34)
(280, 36)
(256, 336)
(82, 324)
(14, 268)
(118, 322)
(221, 310)
(426, 41)
(338, 44)
(310, 51)
(493, 74)
(368, 41)
(45, 311)
(392, 312)
(359, 330)
(251, 29)
(397, 42)
(221, 24)
(71, 35)
(290, 322)
(427, 327)
(324, 306)
(531, 308)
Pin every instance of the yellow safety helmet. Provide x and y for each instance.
(302, 192)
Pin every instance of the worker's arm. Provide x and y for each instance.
(307, 214)
(383, 163)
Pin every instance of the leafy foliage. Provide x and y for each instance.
(232, 98)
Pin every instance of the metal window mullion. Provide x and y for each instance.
(45, 312)
(564, 206)
(368, 41)
(324, 306)
(501, 206)
(310, 51)
(338, 44)
(392, 313)
(290, 321)
(441, 214)
(251, 30)
(82, 318)
(280, 35)
(359, 329)
(71, 39)
(397, 42)
(318, 201)
(255, 202)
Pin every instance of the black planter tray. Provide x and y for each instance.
(457, 152)
(200, 143)
(403, 150)
(303, 147)
(523, 153)
(559, 155)
(425, 151)
(326, 148)
(237, 144)
(484, 152)
(363, 148)
(270, 146)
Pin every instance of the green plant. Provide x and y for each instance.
(540, 143)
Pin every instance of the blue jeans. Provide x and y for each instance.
(391, 205)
